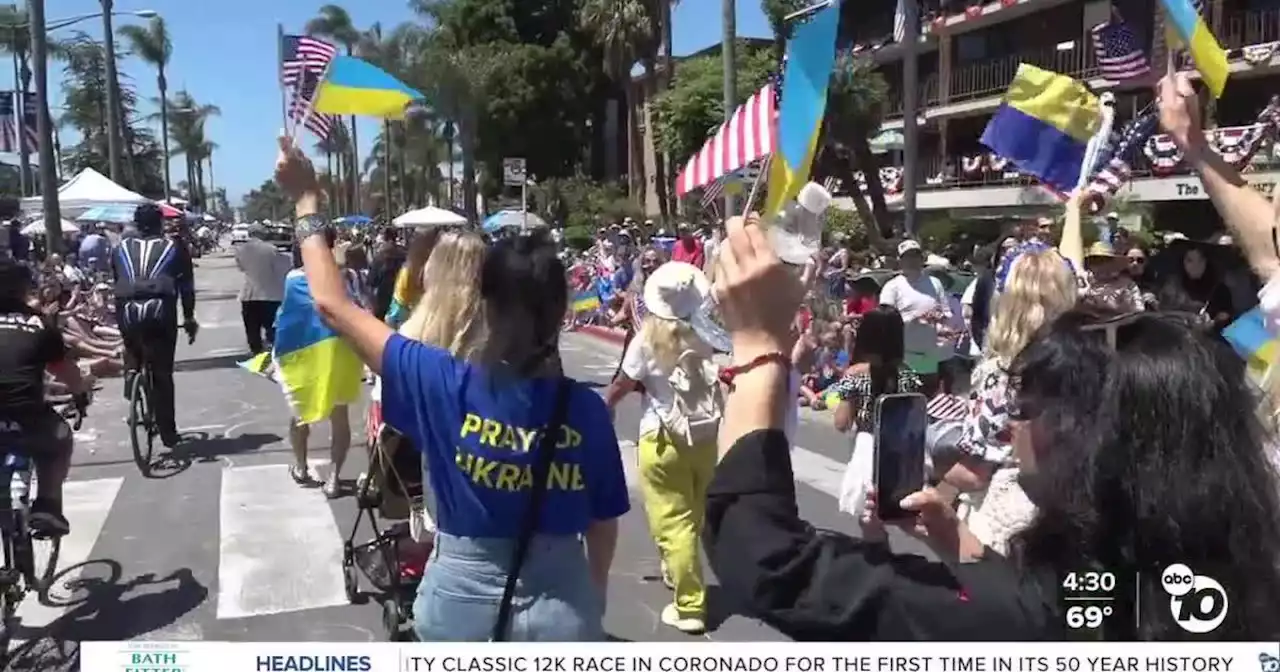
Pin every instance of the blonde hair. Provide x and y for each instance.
(450, 314)
(668, 339)
(1040, 287)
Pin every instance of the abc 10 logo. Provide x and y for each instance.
(1198, 603)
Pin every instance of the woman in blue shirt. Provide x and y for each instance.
(478, 426)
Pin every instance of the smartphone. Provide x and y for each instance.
(900, 424)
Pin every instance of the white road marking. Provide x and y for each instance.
(225, 352)
(86, 505)
(280, 548)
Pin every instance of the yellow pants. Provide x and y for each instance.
(674, 480)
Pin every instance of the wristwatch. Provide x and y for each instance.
(309, 225)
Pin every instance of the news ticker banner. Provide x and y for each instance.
(691, 657)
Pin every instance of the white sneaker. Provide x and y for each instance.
(689, 626)
(666, 577)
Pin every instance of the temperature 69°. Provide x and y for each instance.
(1086, 616)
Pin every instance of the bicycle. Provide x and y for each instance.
(19, 574)
(142, 418)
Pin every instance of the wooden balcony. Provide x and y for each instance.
(1246, 28)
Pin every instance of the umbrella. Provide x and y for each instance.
(430, 216)
(37, 228)
(353, 220)
(512, 219)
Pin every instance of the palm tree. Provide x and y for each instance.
(187, 117)
(854, 108)
(15, 39)
(151, 43)
(333, 22)
(624, 31)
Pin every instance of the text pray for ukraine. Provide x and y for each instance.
(498, 475)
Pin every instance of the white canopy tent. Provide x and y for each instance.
(430, 216)
(84, 191)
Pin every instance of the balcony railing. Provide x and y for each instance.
(982, 80)
(928, 96)
(1242, 29)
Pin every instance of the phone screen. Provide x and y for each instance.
(901, 422)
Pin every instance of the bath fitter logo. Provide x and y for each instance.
(154, 658)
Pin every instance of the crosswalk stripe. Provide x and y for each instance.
(279, 549)
(86, 505)
(813, 469)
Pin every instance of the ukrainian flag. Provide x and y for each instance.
(811, 56)
(401, 303)
(316, 369)
(1255, 344)
(1185, 25)
(353, 87)
(1044, 126)
(586, 301)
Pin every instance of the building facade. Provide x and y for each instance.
(968, 54)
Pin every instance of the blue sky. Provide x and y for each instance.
(225, 54)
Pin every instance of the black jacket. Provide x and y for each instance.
(813, 585)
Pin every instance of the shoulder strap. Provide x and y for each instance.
(546, 450)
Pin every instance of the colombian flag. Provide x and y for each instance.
(1253, 342)
(316, 369)
(1044, 126)
(811, 56)
(353, 87)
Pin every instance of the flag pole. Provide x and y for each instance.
(284, 112)
(309, 104)
(755, 186)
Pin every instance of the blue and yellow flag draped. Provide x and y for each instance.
(1044, 126)
(811, 55)
(352, 86)
(316, 369)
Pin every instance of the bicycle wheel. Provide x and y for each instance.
(140, 422)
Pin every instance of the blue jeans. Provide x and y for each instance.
(555, 599)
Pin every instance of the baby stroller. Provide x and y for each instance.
(391, 561)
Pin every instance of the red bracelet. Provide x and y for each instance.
(729, 373)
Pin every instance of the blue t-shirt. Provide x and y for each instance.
(478, 436)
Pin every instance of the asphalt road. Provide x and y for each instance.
(219, 544)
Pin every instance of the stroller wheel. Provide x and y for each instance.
(393, 621)
(350, 582)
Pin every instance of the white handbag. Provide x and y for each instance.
(858, 475)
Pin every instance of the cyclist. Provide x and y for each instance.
(153, 272)
(30, 344)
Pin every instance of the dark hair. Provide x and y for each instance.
(149, 219)
(880, 343)
(983, 256)
(1185, 293)
(523, 283)
(10, 207)
(357, 257)
(15, 281)
(1166, 465)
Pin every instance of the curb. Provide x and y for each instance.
(613, 336)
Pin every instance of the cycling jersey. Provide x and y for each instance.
(151, 275)
(29, 343)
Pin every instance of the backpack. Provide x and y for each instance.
(694, 417)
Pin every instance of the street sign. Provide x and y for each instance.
(513, 174)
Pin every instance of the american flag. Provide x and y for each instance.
(8, 125)
(299, 53)
(320, 124)
(1114, 158)
(1119, 57)
(30, 137)
(748, 135)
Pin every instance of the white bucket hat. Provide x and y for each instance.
(676, 291)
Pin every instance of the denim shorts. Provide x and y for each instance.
(555, 599)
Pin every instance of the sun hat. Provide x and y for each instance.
(908, 246)
(676, 291)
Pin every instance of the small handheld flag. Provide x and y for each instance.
(1187, 27)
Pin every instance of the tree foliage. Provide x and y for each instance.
(267, 202)
(687, 113)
